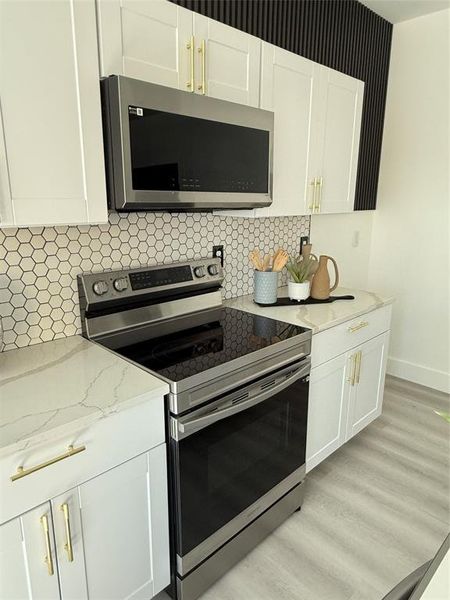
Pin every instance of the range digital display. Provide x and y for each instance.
(159, 277)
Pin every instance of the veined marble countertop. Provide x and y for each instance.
(317, 317)
(57, 387)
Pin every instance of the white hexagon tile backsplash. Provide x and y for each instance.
(38, 266)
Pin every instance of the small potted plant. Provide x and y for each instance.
(299, 283)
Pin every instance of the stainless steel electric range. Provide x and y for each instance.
(236, 411)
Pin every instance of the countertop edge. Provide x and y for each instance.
(359, 313)
(67, 429)
(245, 303)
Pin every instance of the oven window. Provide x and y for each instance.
(229, 465)
(171, 152)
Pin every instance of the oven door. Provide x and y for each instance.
(234, 458)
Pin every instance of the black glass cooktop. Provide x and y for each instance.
(192, 350)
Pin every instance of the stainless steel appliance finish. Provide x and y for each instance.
(237, 407)
(188, 562)
(122, 94)
(231, 553)
(242, 399)
(104, 322)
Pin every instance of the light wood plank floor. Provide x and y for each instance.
(373, 512)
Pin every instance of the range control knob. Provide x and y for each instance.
(213, 270)
(199, 272)
(100, 287)
(121, 284)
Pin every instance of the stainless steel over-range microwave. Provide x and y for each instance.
(172, 150)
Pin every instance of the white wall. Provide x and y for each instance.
(410, 235)
(347, 238)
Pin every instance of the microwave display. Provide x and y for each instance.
(173, 152)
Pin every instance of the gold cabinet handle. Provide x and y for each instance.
(313, 185)
(48, 557)
(319, 194)
(202, 52)
(351, 379)
(21, 472)
(68, 545)
(359, 326)
(358, 370)
(191, 47)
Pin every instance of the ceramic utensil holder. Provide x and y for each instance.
(266, 287)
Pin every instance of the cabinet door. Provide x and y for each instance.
(27, 557)
(230, 68)
(327, 410)
(51, 114)
(125, 529)
(13, 565)
(337, 141)
(69, 545)
(289, 88)
(366, 397)
(145, 39)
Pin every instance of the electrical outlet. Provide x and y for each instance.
(217, 252)
(304, 239)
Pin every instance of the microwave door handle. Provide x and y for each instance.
(185, 429)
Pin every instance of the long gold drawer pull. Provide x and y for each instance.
(358, 327)
(358, 361)
(48, 548)
(68, 544)
(202, 52)
(71, 451)
(191, 47)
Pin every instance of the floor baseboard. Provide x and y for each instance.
(430, 378)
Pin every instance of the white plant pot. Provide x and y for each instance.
(298, 291)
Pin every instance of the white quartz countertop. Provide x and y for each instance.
(317, 317)
(57, 387)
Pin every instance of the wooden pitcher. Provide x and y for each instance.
(320, 286)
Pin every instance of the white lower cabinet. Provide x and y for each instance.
(346, 391)
(27, 557)
(328, 408)
(108, 538)
(366, 395)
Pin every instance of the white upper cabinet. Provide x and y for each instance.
(227, 62)
(147, 40)
(159, 42)
(51, 147)
(317, 122)
(289, 88)
(336, 142)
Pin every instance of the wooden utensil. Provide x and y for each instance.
(256, 261)
(279, 260)
(266, 263)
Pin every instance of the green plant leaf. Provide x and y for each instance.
(299, 269)
(444, 415)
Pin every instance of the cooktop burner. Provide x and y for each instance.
(190, 351)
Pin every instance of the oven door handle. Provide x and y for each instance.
(180, 430)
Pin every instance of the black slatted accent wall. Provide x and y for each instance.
(341, 34)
